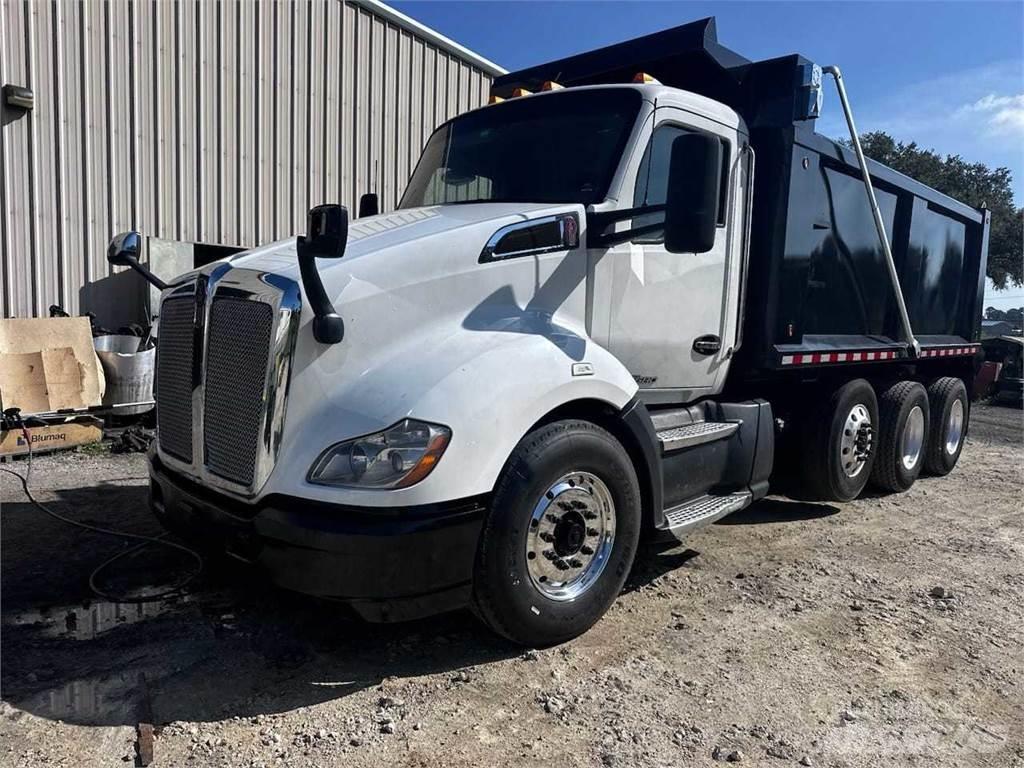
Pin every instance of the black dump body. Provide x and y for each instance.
(818, 290)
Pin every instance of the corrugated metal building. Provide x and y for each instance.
(204, 122)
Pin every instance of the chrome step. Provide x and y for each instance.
(695, 434)
(667, 418)
(704, 510)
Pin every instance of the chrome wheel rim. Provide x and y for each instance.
(955, 426)
(912, 439)
(571, 534)
(857, 438)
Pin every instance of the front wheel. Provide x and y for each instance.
(560, 536)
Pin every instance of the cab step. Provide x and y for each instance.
(698, 433)
(703, 510)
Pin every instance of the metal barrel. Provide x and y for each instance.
(129, 372)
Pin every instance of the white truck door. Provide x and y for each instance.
(663, 304)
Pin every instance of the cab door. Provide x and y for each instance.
(671, 324)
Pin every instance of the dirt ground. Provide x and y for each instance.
(888, 631)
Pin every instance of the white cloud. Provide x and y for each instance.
(1004, 114)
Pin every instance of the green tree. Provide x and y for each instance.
(973, 183)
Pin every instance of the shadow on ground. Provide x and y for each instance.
(233, 646)
(777, 510)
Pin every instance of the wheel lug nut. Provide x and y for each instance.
(576, 563)
(545, 536)
(592, 532)
(586, 550)
(551, 518)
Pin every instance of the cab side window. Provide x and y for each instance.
(652, 181)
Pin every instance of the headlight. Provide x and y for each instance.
(395, 458)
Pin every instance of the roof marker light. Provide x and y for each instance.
(520, 92)
(645, 79)
(551, 85)
(495, 99)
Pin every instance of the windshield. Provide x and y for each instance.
(561, 148)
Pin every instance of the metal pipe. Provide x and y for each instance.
(908, 333)
(748, 236)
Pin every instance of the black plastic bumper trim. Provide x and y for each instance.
(402, 564)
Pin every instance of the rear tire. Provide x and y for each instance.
(560, 536)
(838, 443)
(902, 436)
(950, 411)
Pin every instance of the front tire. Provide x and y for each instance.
(902, 436)
(560, 535)
(838, 443)
(947, 399)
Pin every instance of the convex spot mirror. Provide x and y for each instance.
(124, 249)
(369, 205)
(691, 201)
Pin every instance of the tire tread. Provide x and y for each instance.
(484, 601)
(884, 473)
(939, 392)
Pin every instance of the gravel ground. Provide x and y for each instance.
(885, 631)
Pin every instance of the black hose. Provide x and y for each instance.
(145, 541)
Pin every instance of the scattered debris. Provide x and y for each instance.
(134, 439)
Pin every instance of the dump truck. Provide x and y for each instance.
(611, 304)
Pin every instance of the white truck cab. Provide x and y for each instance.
(486, 396)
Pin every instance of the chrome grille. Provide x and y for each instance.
(221, 405)
(174, 361)
(237, 349)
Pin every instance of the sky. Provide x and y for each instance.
(948, 75)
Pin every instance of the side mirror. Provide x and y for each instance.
(369, 205)
(327, 231)
(691, 202)
(124, 250)
(326, 238)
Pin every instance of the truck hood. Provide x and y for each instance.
(415, 244)
(433, 334)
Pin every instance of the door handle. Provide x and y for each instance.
(707, 345)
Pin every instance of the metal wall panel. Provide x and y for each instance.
(206, 122)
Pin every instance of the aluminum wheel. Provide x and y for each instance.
(955, 426)
(912, 439)
(855, 445)
(571, 534)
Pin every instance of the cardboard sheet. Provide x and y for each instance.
(47, 364)
(23, 382)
